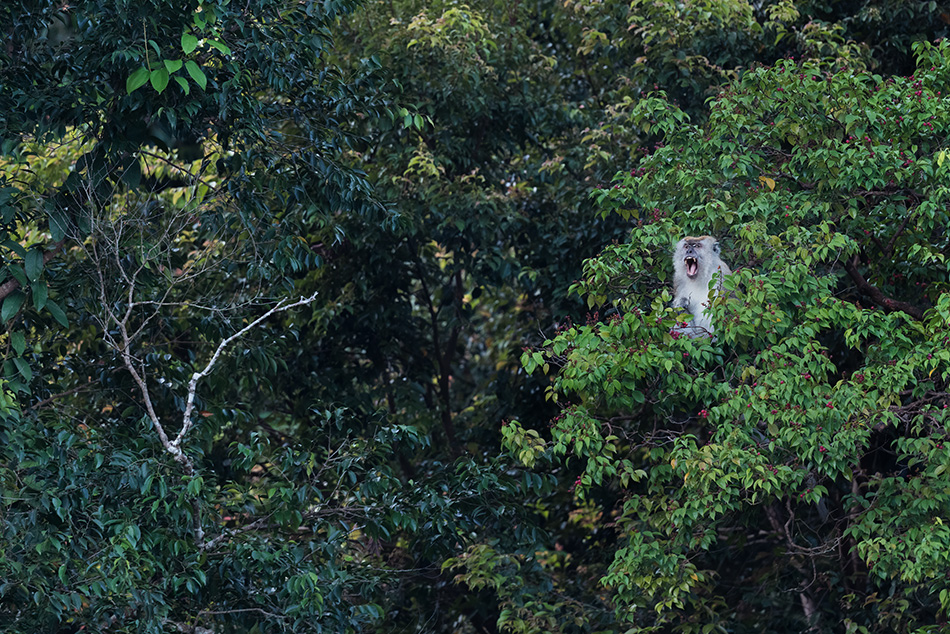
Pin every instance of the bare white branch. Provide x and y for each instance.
(280, 307)
(127, 239)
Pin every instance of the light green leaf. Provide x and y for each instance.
(221, 46)
(136, 80)
(159, 79)
(183, 83)
(196, 73)
(172, 65)
(188, 43)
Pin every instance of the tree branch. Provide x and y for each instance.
(47, 401)
(876, 296)
(11, 285)
(193, 383)
(264, 523)
(900, 230)
(139, 377)
(444, 360)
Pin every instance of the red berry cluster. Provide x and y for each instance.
(576, 484)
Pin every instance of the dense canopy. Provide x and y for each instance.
(355, 317)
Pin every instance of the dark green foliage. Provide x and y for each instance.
(269, 268)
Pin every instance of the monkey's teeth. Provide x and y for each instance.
(691, 267)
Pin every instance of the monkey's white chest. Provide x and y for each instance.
(698, 303)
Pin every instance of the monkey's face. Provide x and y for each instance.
(696, 252)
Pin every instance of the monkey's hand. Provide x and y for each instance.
(681, 303)
(690, 331)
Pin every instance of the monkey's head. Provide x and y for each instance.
(694, 255)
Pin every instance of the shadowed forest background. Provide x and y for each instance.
(353, 317)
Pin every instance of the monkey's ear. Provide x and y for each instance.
(716, 247)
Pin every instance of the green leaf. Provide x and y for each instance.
(196, 73)
(33, 264)
(15, 246)
(11, 305)
(194, 486)
(40, 294)
(17, 272)
(221, 46)
(132, 176)
(136, 80)
(58, 224)
(56, 312)
(23, 368)
(18, 341)
(183, 83)
(188, 43)
(172, 65)
(159, 79)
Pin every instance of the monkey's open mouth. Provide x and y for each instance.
(692, 267)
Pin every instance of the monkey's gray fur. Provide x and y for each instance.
(695, 262)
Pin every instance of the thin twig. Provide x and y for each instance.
(47, 401)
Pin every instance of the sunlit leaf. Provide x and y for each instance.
(136, 80)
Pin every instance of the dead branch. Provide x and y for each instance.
(193, 383)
